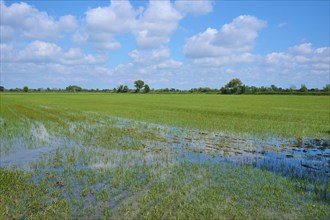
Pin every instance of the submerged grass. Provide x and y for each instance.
(183, 191)
(102, 166)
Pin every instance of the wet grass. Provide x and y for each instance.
(99, 166)
(185, 191)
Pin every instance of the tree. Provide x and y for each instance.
(125, 89)
(326, 88)
(73, 88)
(146, 88)
(138, 85)
(292, 88)
(303, 88)
(2, 88)
(233, 86)
(25, 89)
(122, 89)
(274, 88)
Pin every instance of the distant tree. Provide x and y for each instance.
(72, 88)
(122, 89)
(2, 88)
(292, 88)
(303, 88)
(326, 88)
(146, 89)
(274, 88)
(25, 89)
(125, 89)
(138, 85)
(233, 86)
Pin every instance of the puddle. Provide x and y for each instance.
(308, 158)
(21, 158)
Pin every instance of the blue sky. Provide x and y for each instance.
(181, 44)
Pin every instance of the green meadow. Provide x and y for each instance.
(164, 156)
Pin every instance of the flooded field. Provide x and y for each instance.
(296, 158)
(84, 164)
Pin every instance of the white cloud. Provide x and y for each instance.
(305, 48)
(150, 65)
(75, 56)
(169, 64)
(46, 52)
(198, 7)
(68, 23)
(149, 56)
(29, 22)
(116, 18)
(152, 26)
(301, 56)
(56, 75)
(231, 44)
(7, 33)
(228, 59)
(103, 41)
(103, 23)
(152, 59)
(156, 24)
(240, 33)
(300, 64)
(7, 52)
(39, 51)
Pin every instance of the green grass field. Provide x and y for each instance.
(152, 156)
(289, 116)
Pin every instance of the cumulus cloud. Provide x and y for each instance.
(68, 23)
(116, 18)
(153, 59)
(228, 59)
(29, 22)
(198, 7)
(231, 44)
(156, 24)
(301, 56)
(305, 48)
(149, 56)
(170, 64)
(299, 64)
(39, 51)
(46, 52)
(152, 26)
(102, 23)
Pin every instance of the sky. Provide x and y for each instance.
(167, 44)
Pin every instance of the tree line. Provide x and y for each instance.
(234, 86)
